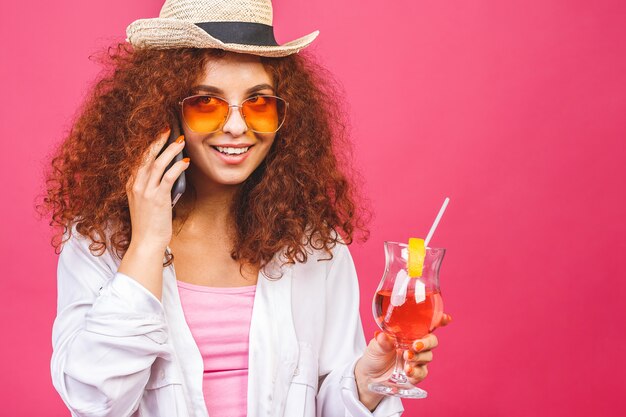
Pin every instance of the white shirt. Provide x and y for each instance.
(119, 351)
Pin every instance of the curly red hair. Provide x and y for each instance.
(303, 193)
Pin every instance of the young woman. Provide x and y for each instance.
(243, 298)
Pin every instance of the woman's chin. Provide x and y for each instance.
(226, 179)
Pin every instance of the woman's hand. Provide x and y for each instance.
(379, 359)
(149, 196)
(150, 205)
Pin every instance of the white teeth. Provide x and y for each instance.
(232, 151)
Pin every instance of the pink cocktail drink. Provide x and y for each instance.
(410, 321)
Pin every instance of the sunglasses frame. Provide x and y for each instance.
(230, 107)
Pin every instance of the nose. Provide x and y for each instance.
(235, 124)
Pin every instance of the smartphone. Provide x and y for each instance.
(180, 184)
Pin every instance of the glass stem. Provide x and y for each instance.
(398, 375)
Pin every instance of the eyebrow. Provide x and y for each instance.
(212, 89)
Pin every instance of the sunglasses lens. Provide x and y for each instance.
(264, 114)
(204, 113)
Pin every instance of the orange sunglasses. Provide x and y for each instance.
(205, 113)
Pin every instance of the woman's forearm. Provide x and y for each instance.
(144, 263)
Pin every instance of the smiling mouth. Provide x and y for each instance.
(232, 151)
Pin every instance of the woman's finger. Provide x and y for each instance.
(160, 164)
(174, 172)
(427, 342)
(416, 374)
(141, 174)
(385, 342)
(415, 359)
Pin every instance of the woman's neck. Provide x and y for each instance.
(210, 214)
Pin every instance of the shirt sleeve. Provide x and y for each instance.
(338, 395)
(108, 331)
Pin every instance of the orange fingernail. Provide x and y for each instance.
(186, 160)
(409, 372)
(180, 139)
(418, 346)
(376, 333)
(449, 318)
(409, 355)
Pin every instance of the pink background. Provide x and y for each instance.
(515, 109)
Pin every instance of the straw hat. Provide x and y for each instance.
(243, 26)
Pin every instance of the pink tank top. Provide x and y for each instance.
(219, 319)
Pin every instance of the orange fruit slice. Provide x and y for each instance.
(417, 252)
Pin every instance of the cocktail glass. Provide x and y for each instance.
(407, 309)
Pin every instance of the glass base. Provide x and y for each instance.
(396, 389)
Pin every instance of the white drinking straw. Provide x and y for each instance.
(434, 226)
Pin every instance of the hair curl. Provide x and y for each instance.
(303, 193)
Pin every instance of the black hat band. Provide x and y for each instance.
(244, 33)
